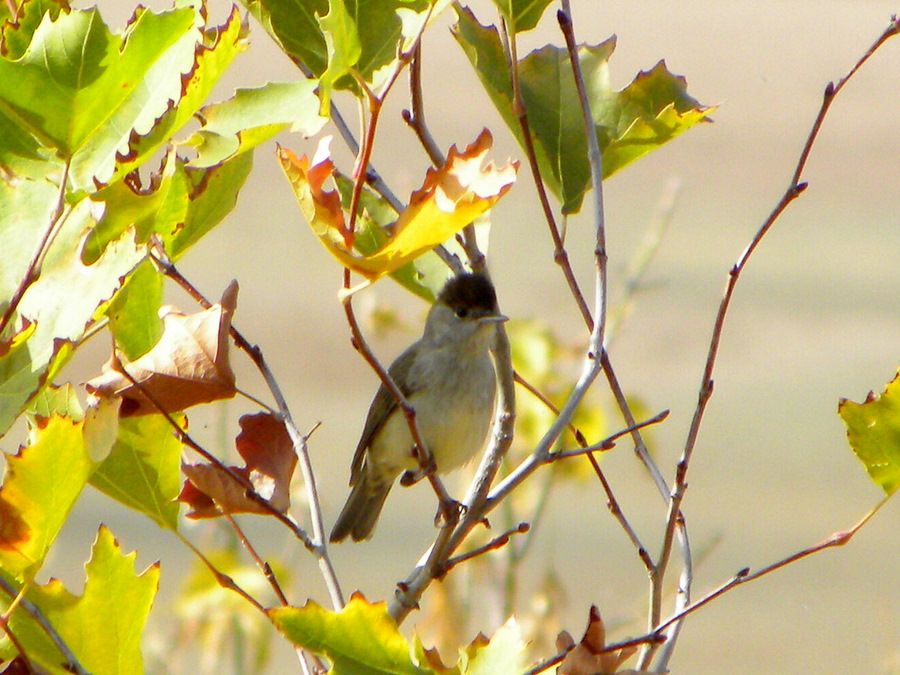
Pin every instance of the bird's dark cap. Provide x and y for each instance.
(472, 291)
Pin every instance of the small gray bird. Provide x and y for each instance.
(449, 378)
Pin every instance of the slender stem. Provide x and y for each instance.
(497, 542)
(316, 545)
(224, 580)
(560, 255)
(263, 566)
(794, 189)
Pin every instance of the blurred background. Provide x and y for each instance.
(816, 317)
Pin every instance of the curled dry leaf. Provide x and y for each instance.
(451, 197)
(188, 366)
(588, 657)
(269, 459)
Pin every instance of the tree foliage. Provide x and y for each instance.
(114, 162)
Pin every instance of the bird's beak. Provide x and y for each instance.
(494, 318)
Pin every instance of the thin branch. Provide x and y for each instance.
(560, 255)
(496, 543)
(316, 545)
(263, 566)
(40, 618)
(224, 580)
(794, 190)
(33, 271)
(20, 649)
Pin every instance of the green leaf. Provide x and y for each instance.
(42, 482)
(873, 430)
(16, 35)
(328, 37)
(253, 116)
(103, 627)
(522, 15)
(59, 305)
(53, 400)
(212, 58)
(82, 90)
(361, 639)
(295, 27)
(143, 469)
(134, 311)
(630, 123)
(182, 204)
(342, 43)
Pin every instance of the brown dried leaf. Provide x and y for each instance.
(188, 366)
(588, 658)
(269, 465)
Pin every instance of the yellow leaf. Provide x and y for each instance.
(450, 198)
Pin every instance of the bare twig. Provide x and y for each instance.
(40, 618)
(795, 189)
(20, 649)
(560, 255)
(316, 545)
(264, 567)
(496, 543)
(224, 580)
(33, 271)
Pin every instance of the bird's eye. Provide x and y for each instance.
(462, 312)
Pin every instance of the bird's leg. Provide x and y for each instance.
(449, 510)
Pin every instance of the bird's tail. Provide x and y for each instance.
(360, 513)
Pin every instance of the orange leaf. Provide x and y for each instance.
(188, 366)
(450, 198)
(269, 465)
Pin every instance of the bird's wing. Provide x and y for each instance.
(382, 406)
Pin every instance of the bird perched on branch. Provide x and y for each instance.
(448, 377)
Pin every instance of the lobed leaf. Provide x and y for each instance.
(80, 89)
(873, 431)
(41, 484)
(630, 123)
(361, 639)
(103, 626)
(450, 198)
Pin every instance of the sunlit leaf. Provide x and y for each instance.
(331, 37)
(134, 311)
(59, 315)
(361, 639)
(81, 89)
(103, 626)
(143, 469)
(42, 482)
(181, 204)
(269, 458)
(502, 654)
(630, 123)
(253, 116)
(188, 366)
(450, 198)
(873, 430)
